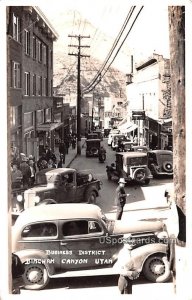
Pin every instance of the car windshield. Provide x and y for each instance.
(41, 178)
(137, 161)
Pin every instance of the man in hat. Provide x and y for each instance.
(120, 198)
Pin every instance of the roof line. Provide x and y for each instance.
(42, 15)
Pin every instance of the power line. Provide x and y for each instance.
(100, 76)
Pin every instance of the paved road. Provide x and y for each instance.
(137, 207)
(141, 197)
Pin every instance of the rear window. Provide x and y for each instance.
(137, 161)
(40, 230)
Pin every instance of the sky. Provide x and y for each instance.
(150, 33)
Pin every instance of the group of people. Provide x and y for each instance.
(23, 168)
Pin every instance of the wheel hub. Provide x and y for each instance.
(35, 275)
(157, 267)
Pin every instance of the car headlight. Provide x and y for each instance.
(19, 198)
(36, 199)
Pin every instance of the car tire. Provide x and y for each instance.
(156, 268)
(168, 166)
(147, 181)
(35, 276)
(90, 197)
(47, 201)
(136, 175)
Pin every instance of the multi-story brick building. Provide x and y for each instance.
(30, 39)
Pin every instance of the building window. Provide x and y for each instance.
(27, 42)
(28, 120)
(51, 87)
(39, 116)
(34, 85)
(48, 115)
(16, 76)
(39, 86)
(27, 83)
(39, 51)
(34, 48)
(16, 28)
(13, 116)
(44, 93)
(44, 54)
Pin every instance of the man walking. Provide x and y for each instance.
(120, 198)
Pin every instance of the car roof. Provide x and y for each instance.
(132, 154)
(60, 170)
(161, 151)
(53, 212)
(90, 140)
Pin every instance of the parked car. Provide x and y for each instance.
(99, 134)
(144, 149)
(63, 185)
(92, 147)
(106, 132)
(53, 240)
(112, 132)
(130, 166)
(125, 146)
(92, 136)
(115, 140)
(160, 162)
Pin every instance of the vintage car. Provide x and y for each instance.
(112, 132)
(106, 132)
(132, 166)
(54, 240)
(63, 185)
(125, 146)
(160, 162)
(115, 140)
(99, 134)
(92, 147)
(92, 136)
(144, 149)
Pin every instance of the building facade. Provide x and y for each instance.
(149, 90)
(30, 39)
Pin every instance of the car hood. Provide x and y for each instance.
(41, 188)
(124, 227)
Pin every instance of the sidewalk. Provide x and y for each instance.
(72, 154)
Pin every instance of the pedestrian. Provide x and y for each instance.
(120, 198)
(51, 164)
(62, 148)
(61, 162)
(26, 171)
(42, 162)
(33, 172)
(16, 177)
(128, 271)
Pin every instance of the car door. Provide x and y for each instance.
(82, 245)
(65, 187)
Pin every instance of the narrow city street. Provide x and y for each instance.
(141, 197)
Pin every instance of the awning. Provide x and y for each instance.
(127, 127)
(49, 126)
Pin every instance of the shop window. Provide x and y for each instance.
(28, 120)
(39, 116)
(48, 115)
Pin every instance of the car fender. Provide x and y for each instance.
(139, 255)
(41, 256)
(91, 188)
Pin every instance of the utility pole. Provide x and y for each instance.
(79, 55)
(177, 67)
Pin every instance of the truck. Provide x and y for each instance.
(61, 185)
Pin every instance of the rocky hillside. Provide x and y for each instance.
(65, 66)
